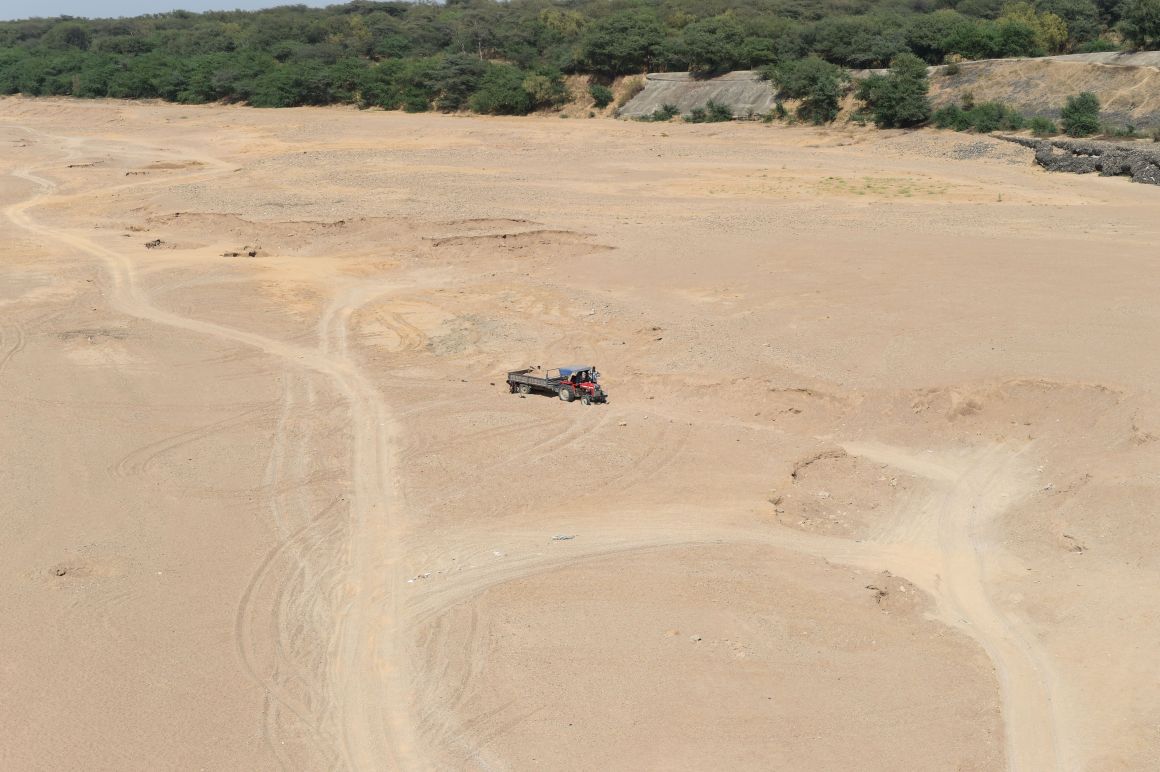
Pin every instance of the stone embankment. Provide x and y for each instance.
(1084, 157)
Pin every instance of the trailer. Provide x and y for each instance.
(568, 383)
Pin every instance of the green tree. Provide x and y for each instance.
(713, 45)
(1082, 18)
(927, 34)
(1050, 31)
(501, 92)
(453, 80)
(817, 83)
(70, 34)
(624, 43)
(1140, 23)
(545, 90)
(1080, 117)
(898, 99)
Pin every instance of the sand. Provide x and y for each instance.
(875, 488)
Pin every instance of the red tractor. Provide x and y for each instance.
(569, 383)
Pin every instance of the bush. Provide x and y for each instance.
(718, 112)
(1097, 46)
(545, 90)
(601, 95)
(817, 83)
(1123, 132)
(898, 100)
(952, 69)
(983, 118)
(712, 112)
(662, 114)
(1080, 117)
(1042, 127)
(951, 117)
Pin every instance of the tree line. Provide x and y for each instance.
(510, 57)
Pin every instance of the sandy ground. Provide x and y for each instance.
(876, 487)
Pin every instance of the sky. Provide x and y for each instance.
(23, 9)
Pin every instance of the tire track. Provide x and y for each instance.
(11, 343)
(981, 487)
(940, 545)
(366, 688)
(140, 460)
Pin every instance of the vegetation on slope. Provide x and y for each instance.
(510, 57)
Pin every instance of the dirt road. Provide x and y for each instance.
(884, 510)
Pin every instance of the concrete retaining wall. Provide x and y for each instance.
(742, 91)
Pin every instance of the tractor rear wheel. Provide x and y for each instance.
(566, 394)
(525, 388)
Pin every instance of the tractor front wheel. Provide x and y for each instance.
(586, 400)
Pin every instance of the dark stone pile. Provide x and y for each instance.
(1085, 157)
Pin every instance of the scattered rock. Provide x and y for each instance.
(563, 537)
(153, 244)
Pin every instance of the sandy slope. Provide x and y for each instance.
(875, 488)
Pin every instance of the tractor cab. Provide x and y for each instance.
(583, 381)
(583, 377)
